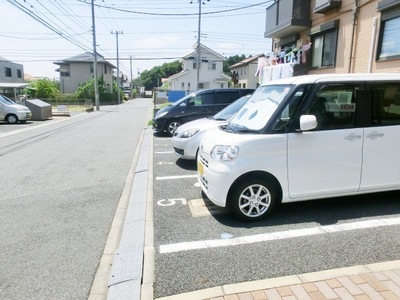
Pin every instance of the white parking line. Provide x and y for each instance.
(272, 236)
(175, 177)
(164, 152)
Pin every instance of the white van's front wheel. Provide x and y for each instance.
(253, 199)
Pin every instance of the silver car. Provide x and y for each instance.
(186, 139)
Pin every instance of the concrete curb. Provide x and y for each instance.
(127, 268)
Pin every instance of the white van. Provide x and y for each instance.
(13, 113)
(302, 138)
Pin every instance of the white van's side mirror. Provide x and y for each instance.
(308, 122)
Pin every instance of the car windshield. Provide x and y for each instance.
(5, 100)
(257, 111)
(231, 109)
(182, 101)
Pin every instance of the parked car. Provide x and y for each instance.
(186, 139)
(197, 105)
(302, 138)
(13, 113)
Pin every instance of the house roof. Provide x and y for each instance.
(86, 57)
(3, 59)
(204, 48)
(246, 61)
(177, 75)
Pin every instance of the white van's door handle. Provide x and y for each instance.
(352, 137)
(374, 135)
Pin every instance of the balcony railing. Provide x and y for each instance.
(287, 17)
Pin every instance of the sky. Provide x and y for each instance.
(37, 33)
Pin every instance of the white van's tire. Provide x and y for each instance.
(253, 198)
(12, 119)
(172, 126)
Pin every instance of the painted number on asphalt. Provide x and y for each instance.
(170, 202)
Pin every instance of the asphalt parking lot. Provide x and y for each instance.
(199, 245)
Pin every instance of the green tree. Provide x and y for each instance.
(86, 90)
(151, 78)
(44, 88)
(230, 61)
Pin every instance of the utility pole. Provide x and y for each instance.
(130, 82)
(118, 78)
(96, 87)
(198, 63)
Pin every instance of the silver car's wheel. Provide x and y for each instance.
(172, 127)
(12, 119)
(253, 199)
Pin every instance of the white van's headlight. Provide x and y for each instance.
(189, 133)
(225, 153)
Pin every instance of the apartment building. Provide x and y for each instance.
(334, 36)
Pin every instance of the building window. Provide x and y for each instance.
(19, 73)
(389, 41)
(105, 69)
(65, 73)
(188, 85)
(194, 65)
(324, 49)
(212, 66)
(91, 68)
(7, 72)
(201, 85)
(183, 85)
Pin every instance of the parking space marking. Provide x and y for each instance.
(272, 236)
(201, 208)
(175, 177)
(164, 152)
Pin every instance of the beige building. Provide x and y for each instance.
(79, 69)
(334, 36)
(244, 72)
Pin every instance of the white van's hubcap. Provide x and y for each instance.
(254, 200)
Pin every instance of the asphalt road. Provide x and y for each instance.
(198, 249)
(60, 184)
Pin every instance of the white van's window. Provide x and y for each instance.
(385, 103)
(334, 106)
(290, 110)
(255, 114)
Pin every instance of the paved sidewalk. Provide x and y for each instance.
(374, 281)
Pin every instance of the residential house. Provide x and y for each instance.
(79, 69)
(333, 36)
(244, 72)
(11, 78)
(209, 75)
(11, 72)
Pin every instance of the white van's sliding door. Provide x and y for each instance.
(381, 163)
(327, 160)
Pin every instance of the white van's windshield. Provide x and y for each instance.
(255, 114)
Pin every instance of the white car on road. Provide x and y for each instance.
(186, 139)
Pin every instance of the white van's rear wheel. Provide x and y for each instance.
(253, 199)
(12, 119)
